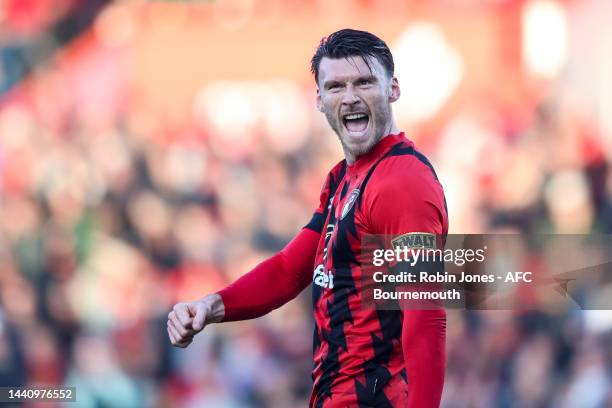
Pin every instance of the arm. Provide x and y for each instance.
(266, 287)
(423, 342)
(415, 203)
(273, 282)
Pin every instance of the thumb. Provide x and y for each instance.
(200, 316)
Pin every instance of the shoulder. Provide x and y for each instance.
(335, 175)
(404, 194)
(337, 172)
(407, 171)
(330, 185)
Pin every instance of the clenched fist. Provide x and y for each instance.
(187, 319)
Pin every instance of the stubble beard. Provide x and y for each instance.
(362, 148)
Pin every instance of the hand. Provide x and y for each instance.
(188, 319)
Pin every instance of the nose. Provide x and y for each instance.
(349, 97)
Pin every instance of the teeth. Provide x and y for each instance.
(355, 116)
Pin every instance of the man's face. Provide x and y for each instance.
(356, 101)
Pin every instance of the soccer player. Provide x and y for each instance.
(362, 357)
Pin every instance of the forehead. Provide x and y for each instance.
(339, 69)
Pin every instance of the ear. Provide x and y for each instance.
(319, 104)
(395, 92)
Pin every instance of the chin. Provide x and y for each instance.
(357, 143)
(359, 148)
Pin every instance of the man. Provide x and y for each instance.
(363, 357)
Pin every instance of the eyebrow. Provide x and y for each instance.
(367, 77)
(328, 84)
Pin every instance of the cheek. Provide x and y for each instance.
(378, 105)
(377, 109)
(329, 105)
(376, 97)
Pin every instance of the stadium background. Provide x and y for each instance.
(151, 152)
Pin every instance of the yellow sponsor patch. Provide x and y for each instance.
(415, 240)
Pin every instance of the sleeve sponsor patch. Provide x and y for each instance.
(412, 240)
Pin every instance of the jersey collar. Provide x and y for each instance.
(364, 161)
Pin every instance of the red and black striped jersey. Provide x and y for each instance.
(391, 190)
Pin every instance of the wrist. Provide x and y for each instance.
(215, 308)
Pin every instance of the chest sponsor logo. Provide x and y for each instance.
(350, 201)
(415, 240)
(322, 277)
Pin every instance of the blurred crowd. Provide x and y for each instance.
(110, 216)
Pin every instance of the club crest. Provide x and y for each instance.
(349, 202)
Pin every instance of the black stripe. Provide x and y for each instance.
(330, 363)
(316, 223)
(426, 162)
(398, 150)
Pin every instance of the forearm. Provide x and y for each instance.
(273, 282)
(423, 342)
(258, 292)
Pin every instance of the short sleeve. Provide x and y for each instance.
(405, 198)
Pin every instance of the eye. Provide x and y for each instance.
(364, 82)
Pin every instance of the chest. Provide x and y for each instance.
(344, 226)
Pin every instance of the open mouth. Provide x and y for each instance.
(356, 122)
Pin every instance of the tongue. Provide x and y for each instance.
(357, 125)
